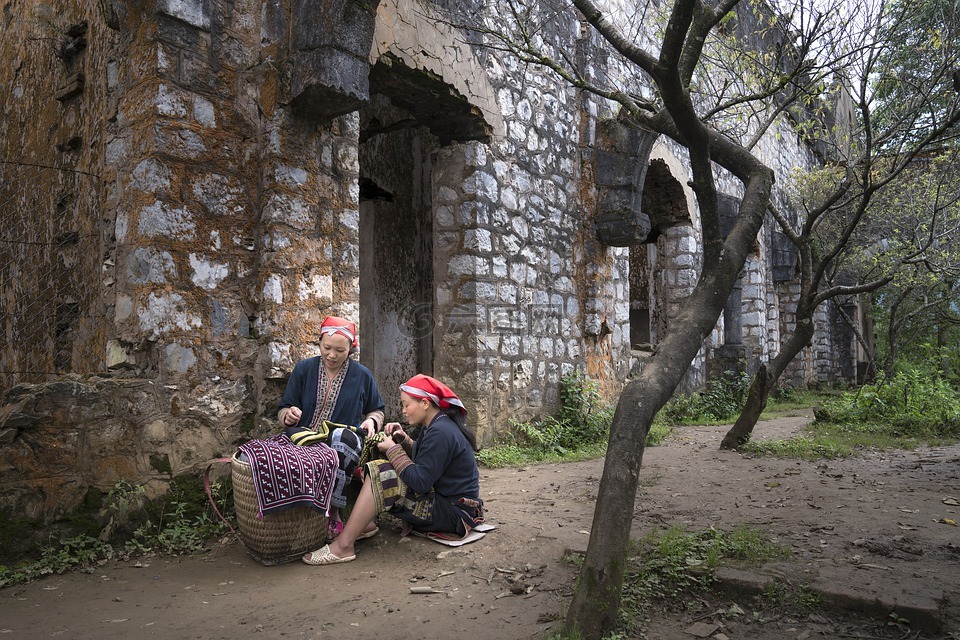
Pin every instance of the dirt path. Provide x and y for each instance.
(870, 530)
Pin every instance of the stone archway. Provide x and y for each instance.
(427, 92)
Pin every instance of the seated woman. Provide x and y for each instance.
(332, 387)
(432, 484)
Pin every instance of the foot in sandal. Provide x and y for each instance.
(323, 555)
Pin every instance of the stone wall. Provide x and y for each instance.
(251, 167)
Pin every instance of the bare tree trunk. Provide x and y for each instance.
(596, 603)
(764, 382)
(755, 404)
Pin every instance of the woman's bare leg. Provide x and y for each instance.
(363, 512)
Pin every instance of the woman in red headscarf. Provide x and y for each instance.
(432, 485)
(333, 388)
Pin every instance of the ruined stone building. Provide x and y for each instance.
(188, 187)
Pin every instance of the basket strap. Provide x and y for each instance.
(206, 487)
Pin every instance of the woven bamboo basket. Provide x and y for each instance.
(275, 538)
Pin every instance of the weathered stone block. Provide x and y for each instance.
(196, 13)
(622, 228)
(326, 83)
(72, 87)
(44, 465)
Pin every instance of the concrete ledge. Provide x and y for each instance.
(735, 582)
(924, 613)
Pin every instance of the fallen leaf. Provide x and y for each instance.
(952, 501)
(906, 527)
(949, 521)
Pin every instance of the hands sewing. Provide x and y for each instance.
(369, 427)
(394, 435)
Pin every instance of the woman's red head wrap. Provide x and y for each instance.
(334, 325)
(421, 386)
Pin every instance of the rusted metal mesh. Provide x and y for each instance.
(51, 258)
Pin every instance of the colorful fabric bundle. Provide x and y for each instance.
(286, 475)
(305, 436)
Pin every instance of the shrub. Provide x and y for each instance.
(722, 400)
(582, 423)
(914, 403)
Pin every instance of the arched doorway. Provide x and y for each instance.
(427, 92)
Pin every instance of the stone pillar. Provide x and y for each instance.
(309, 261)
(677, 248)
(464, 345)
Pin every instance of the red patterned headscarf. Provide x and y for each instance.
(334, 325)
(421, 386)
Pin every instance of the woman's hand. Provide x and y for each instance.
(369, 426)
(385, 444)
(291, 416)
(395, 431)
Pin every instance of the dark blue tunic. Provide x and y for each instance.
(358, 396)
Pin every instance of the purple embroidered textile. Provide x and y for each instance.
(285, 475)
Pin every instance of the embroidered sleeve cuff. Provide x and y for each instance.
(398, 458)
(377, 417)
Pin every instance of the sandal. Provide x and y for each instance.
(368, 534)
(334, 529)
(323, 555)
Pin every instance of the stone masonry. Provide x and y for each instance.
(192, 185)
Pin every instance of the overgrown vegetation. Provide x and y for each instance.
(913, 404)
(720, 402)
(913, 407)
(179, 523)
(666, 567)
(578, 431)
(675, 562)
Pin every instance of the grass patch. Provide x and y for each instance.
(912, 409)
(832, 441)
(813, 447)
(504, 456)
(674, 563)
(795, 402)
